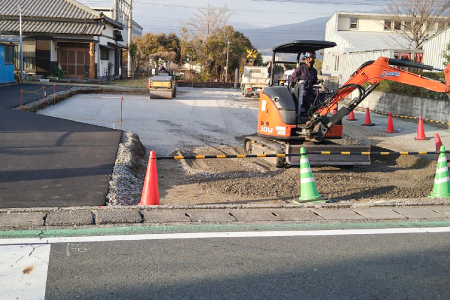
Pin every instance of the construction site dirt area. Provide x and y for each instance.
(253, 181)
(215, 122)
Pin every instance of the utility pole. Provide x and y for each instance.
(21, 45)
(226, 68)
(129, 39)
(116, 13)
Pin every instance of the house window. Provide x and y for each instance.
(336, 64)
(9, 55)
(104, 53)
(387, 25)
(397, 25)
(441, 26)
(430, 26)
(407, 26)
(353, 23)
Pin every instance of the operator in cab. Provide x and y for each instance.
(308, 73)
(162, 69)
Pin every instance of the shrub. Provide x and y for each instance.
(388, 86)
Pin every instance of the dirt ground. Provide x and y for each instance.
(247, 181)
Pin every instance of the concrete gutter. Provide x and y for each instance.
(400, 210)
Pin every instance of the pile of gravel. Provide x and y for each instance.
(127, 179)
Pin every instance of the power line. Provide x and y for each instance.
(319, 2)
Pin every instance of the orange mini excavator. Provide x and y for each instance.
(283, 129)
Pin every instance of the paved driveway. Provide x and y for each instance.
(47, 161)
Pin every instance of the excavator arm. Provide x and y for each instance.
(372, 72)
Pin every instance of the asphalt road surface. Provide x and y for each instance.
(49, 161)
(402, 263)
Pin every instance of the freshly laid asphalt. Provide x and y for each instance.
(51, 162)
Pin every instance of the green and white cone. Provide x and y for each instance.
(308, 188)
(441, 187)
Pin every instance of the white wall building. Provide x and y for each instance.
(434, 49)
(361, 37)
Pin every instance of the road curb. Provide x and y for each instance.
(51, 217)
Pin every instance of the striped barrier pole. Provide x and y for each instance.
(386, 153)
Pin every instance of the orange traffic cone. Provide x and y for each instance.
(351, 116)
(390, 125)
(437, 141)
(150, 193)
(367, 121)
(420, 132)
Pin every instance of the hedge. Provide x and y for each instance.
(388, 86)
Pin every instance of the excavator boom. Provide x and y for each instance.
(372, 72)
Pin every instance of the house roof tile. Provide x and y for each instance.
(52, 27)
(48, 9)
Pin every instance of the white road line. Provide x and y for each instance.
(23, 271)
(207, 235)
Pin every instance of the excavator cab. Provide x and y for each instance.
(282, 118)
(296, 50)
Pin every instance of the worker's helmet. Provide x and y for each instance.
(310, 54)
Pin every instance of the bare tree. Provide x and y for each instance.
(197, 34)
(417, 20)
(207, 21)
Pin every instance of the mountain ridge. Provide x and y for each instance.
(264, 39)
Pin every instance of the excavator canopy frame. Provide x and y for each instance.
(297, 47)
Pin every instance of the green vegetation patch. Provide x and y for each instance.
(136, 83)
(408, 90)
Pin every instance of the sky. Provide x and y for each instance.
(168, 15)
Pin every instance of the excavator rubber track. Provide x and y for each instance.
(261, 145)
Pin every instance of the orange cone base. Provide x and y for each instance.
(392, 131)
(421, 139)
(370, 124)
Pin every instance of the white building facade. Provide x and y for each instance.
(435, 48)
(361, 37)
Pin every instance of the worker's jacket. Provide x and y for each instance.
(309, 75)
